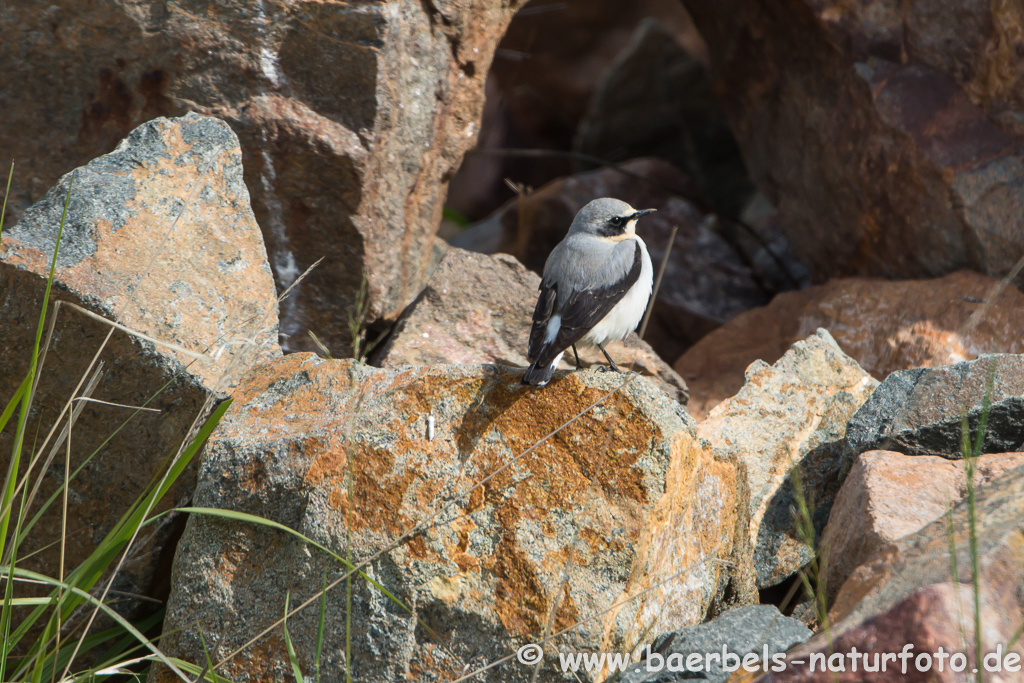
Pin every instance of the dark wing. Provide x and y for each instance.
(582, 311)
(541, 315)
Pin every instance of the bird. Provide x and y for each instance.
(596, 286)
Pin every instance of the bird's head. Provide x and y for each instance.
(607, 217)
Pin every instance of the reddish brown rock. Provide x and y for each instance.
(888, 496)
(887, 133)
(478, 309)
(936, 622)
(707, 281)
(159, 238)
(912, 597)
(885, 326)
(546, 539)
(788, 416)
(351, 119)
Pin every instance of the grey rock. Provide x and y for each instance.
(921, 411)
(754, 629)
(159, 238)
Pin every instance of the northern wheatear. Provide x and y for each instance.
(595, 289)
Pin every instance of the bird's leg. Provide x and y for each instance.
(611, 363)
(577, 354)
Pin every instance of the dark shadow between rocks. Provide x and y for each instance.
(779, 550)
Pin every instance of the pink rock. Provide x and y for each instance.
(888, 496)
(936, 617)
(885, 326)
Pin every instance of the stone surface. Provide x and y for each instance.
(657, 100)
(920, 411)
(478, 309)
(884, 325)
(159, 238)
(792, 414)
(888, 134)
(706, 283)
(888, 496)
(742, 631)
(680, 572)
(548, 540)
(352, 117)
(912, 597)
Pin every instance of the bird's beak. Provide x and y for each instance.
(640, 214)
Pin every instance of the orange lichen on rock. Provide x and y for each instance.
(521, 513)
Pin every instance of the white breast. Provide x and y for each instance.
(628, 313)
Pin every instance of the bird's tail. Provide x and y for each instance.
(540, 371)
(538, 376)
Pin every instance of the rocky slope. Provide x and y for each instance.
(847, 473)
(324, 98)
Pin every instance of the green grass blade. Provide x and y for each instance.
(262, 521)
(13, 403)
(7, 193)
(191, 668)
(321, 620)
(60, 489)
(89, 571)
(126, 645)
(26, 399)
(292, 657)
(84, 596)
(209, 662)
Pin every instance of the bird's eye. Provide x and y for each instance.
(617, 221)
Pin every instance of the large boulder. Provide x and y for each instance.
(351, 117)
(884, 325)
(785, 429)
(923, 411)
(478, 309)
(887, 133)
(159, 238)
(707, 280)
(914, 598)
(888, 496)
(503, 549)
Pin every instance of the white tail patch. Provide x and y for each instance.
(554, 324)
